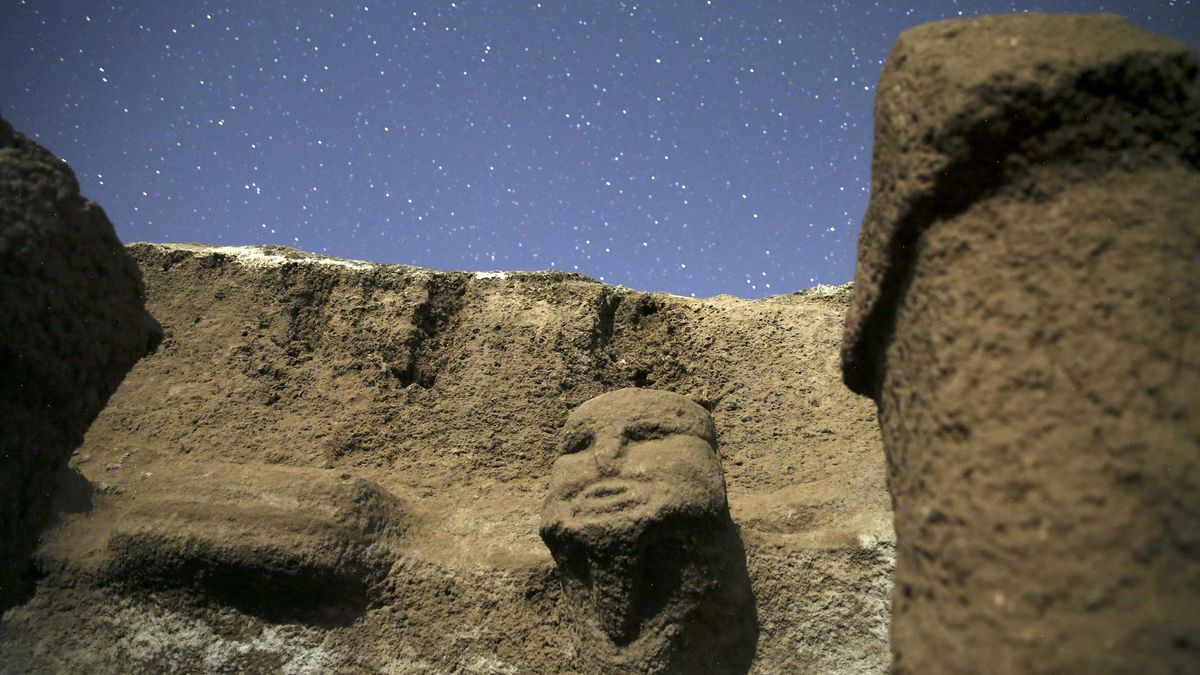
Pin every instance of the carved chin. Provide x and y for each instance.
(623, 585)
(615, 605)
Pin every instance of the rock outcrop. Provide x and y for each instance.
(282, 543)
(1026, 308)
(72, 323)
(408, 419)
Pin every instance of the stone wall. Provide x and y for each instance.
(334, 464)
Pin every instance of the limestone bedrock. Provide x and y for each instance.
(340, 466)
(1027, 301)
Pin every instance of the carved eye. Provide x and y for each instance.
(576, 442)
(645, 433)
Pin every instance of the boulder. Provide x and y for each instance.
(1027, 301)
(72, 323)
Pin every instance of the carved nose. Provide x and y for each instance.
(608, 453)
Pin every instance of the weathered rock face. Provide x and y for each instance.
(72, 323)
(285, 544)
(382, 436)
(636, 517)
(1026, 312)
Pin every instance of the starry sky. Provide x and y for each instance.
(691, 146)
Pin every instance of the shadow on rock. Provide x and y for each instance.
(269, 586)
(282, 544)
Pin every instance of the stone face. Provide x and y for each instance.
(638, 522)
(72, 323)
(441, 395)
(1026, 305)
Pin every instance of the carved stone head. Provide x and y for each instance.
(638, 523)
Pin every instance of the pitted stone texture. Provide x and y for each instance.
(72, 323)
(447, 390)
(287, 544)
(1026, 308)
(636, 517)
(969, 107)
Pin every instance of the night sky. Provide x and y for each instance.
(692, 146)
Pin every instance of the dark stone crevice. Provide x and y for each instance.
(275, 592)
(432, 318)
(607, 305)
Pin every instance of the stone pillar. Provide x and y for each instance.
(1027, 318)
(72, 323)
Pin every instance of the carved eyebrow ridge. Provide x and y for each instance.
(663, 425)
(575, 441)
(643, 431)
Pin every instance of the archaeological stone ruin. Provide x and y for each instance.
(338, 465)
(981, 456)
(638, 522)
(1026, 313)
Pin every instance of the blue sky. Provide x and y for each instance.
(697, 147)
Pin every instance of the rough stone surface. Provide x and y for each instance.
(72, 323)
(285, 544)
(652, 567)
(440, 397)
(1026, 309)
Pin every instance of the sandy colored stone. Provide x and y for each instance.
(446, 391)
(636, 516)
(1025, 314)
(286, 544)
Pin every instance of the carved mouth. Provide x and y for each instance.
(607, 496)
(605, 490)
